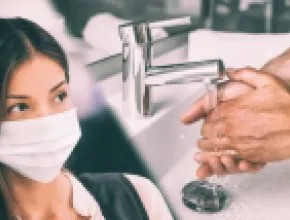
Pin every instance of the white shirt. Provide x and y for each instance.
(155, 206)
(83, 202)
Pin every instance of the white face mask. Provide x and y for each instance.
(38, 148)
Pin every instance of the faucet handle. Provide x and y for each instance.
(139, 32)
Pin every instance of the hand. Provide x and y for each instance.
(257, 126)
(211, 163)
(278, 66)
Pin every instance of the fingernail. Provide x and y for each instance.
(182, 118)
(197, 157)
(200, 178)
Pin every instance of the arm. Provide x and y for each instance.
(151, 197)
(279, 66)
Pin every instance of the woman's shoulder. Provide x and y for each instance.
(101, 178)
(138, 192)
(129, 183)
(143, 187)
(116, 195)
(151, 197)
(146, 189)
(114, 181)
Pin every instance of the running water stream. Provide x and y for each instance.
(207, 196)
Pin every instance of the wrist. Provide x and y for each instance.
(279, 67)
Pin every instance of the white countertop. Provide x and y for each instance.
(261, 196)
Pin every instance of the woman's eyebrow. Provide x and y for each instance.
(11, 96)
(17, 97)
(57, 86)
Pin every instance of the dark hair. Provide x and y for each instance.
(20, 40)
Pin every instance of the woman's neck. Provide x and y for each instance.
(36, 199)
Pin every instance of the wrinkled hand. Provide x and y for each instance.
(256, 126)
(253, 124)
(212, 164)
(223, 165)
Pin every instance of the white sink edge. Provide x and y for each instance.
(135, 126)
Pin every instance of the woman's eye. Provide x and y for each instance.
(20, 107)
(61, 97)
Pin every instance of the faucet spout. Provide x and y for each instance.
(139, 75)
(184, 73)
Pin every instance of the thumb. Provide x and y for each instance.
(198, 110)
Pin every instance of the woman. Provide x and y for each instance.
(39, 130)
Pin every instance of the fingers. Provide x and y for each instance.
(230, 164)
(233, 90)
(215, 144)
(213, 129)
(223, 165)
(251, 77)
(214, 163)
(204, 171)
(197, 111)
(243, 81)
(210, 165)
(246, 166)
(234, 165)
(224, 93)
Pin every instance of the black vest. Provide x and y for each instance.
(116, 196)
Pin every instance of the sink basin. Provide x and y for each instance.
(160, 146)
(168, 147)
(264, 195)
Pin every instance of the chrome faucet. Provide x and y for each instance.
(139, 75)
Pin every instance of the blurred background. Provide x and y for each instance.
(238, 15)
(88, 31)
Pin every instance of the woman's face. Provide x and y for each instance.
(37, 88)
